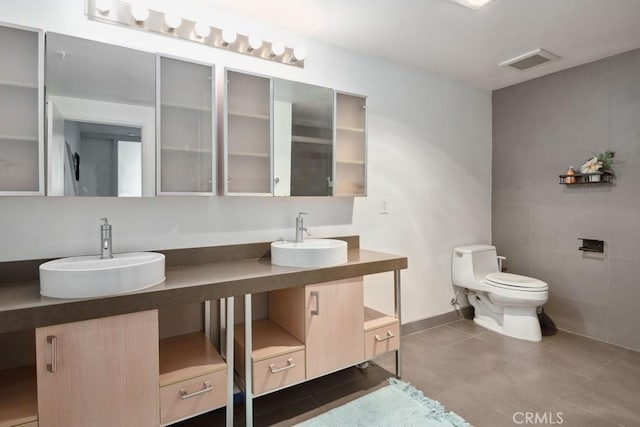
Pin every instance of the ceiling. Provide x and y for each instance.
(466, 45)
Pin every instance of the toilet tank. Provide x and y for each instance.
(471, 264)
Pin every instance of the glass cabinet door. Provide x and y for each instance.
(21, 112)
(247, 134)
(186, 121)
(351, 146)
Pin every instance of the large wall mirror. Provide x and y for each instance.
(302, 139)
(100, 119)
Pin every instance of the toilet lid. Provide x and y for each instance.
(511, 281)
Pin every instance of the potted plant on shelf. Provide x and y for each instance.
(596, 166)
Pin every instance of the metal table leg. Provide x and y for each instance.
(248, 350)
(398, 315)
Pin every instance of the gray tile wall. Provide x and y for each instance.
(540, 128)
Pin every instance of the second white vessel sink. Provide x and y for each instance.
(310, 253)
(90, 276)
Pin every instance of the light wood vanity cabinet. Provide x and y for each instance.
(314, 330)
(277, 358)
(333, 323)
(100, 372)
(193, 377)
(381, 333)
(113, 371)
(328, 318)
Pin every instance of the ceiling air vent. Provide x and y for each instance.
(530, 60)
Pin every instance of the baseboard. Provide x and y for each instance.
(441, 319)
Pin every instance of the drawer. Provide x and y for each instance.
(188, 397)
(279, 371)
(381, 340)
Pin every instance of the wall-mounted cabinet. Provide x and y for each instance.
(101, 119)
(351, 146)
(281, 139)
(247, 134)
(126, 123)
(21, 111)
(186, 123)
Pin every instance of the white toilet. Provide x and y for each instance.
(504, 303)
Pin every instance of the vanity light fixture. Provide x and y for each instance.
(139, 12)
(202, 29)
(228, 37)
(172, 23)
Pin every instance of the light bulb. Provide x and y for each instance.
(172, 20)
(478, 3)
(228, 37)
(255, 43)
(299, 53)
(202, 29)
(139, 12)
(277, 48)
(103, 6)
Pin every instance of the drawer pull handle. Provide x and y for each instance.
(316, 295)
(388, 337)
(275, 370)
(53, 366)
(206, 387)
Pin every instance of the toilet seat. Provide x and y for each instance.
(515, 282)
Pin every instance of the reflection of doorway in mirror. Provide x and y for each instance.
(111, 159)
(75, 120)
(129, 169)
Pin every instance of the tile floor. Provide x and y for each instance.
(488, 379)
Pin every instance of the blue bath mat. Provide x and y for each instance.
(398, 404)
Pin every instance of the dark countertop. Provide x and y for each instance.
(22, 307)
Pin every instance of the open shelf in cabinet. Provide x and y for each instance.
(277, 357)
(18, 396)
(193, 377)
(381, 333)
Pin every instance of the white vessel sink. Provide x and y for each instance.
(90, 276)
(310, 253)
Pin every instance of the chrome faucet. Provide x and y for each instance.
(300, 228)
(105, 240)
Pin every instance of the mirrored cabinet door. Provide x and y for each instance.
(247, 134)
(101, 119)
(186, 121)
(21, 112)
(350, 145)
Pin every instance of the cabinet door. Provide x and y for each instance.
(100, 372)
(334, 325)
(248, 132)
(186, 121)
(21, 112)
(351, 146)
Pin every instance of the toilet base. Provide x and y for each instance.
(513, 321)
